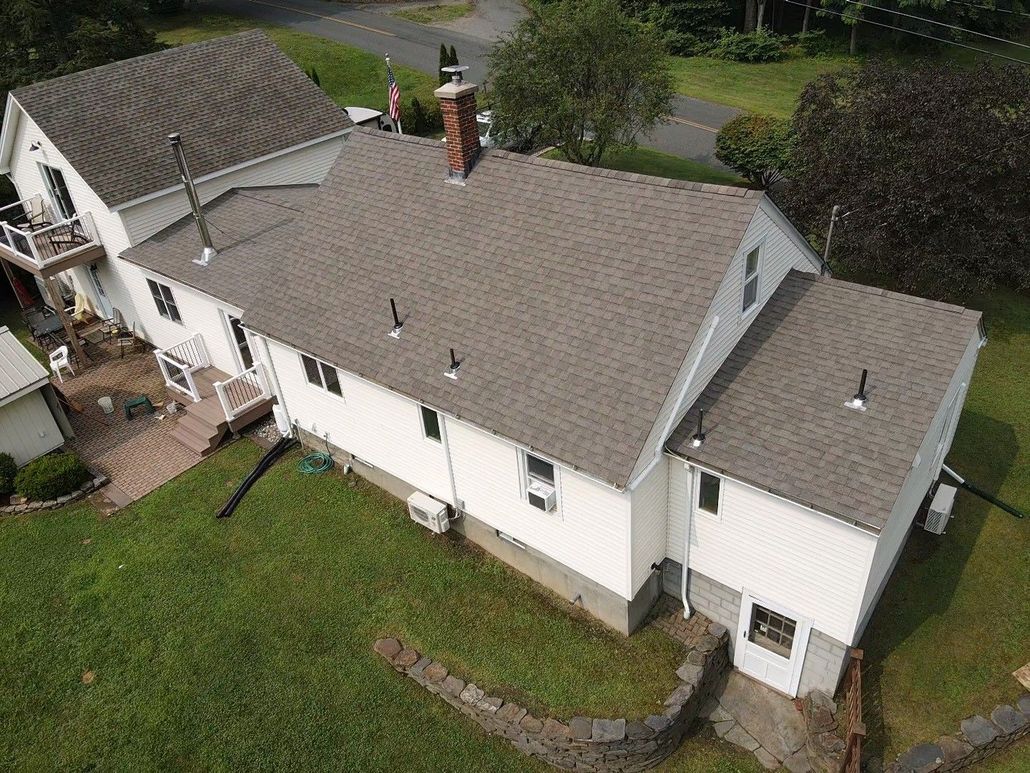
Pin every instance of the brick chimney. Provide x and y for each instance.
(458, 106)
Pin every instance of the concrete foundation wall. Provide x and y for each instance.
(825, 661)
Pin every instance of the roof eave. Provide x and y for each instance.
(8, 131)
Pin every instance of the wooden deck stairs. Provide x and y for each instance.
(202, 425)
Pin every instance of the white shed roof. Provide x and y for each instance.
(19, 370)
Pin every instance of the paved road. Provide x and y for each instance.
(690, 132)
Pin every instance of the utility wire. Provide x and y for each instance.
(939, 23)
(989, 8)
(918, 34)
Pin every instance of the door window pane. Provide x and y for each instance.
(772, 631)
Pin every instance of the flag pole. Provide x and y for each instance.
(397, 120)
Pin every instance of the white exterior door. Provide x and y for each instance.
(771, 643)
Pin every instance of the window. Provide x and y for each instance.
(539, 470)
(709, 489)
(430, 423)
(751, 263)
(539, 483)
(58, 191)
(165, 301)
(771, 630)
(321, 375)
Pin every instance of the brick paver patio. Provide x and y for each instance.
(667, 616)
(138, 455)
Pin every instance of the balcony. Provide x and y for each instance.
(31, 239)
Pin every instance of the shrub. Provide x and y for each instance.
(8, 469)
(422, 120)
(758, 46)
(755, 146)
(814, 43)
(49, 477)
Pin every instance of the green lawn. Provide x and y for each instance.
(247, 643)
(953, 623)
(350, 76)
(10, 316)
(434, 14)
(654, 162)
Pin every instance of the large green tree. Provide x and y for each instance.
(582, 75)
(928, 164)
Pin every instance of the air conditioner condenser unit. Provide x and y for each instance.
(939, 514)
(429, 512)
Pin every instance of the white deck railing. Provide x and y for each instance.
(178, 364)
(241, 393)
(44, 244)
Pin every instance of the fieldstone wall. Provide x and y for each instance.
(583, 743)
(52, 504)
(977, 739)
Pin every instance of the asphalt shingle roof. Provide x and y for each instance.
(233, 99)
(247, 226)
(570, 295)
(775, 415)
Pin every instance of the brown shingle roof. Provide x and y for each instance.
(570, 294)
(233, 99)
(775, 415)
(246, 224)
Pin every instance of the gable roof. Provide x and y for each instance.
(570, 294)
(233, 99)
(246, 226)
(19, 370)
(775, 415)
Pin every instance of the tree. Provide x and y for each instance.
(756, 147)
(444, 61)
(929, 166)
(581, 75)
(452, 57)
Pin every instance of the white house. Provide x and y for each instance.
(31, 420)
(89, 156)
(530, 344)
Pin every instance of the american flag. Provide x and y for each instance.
(395, 93)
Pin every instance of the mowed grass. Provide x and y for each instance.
(953, 623)
(434, 14)
(654, 162)
(350, 76)
(246, 643)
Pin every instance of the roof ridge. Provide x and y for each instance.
(870, 290)
(168, 50)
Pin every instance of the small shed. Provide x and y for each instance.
(31, 420)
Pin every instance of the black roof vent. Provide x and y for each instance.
(452, 370)
(858, 402)
(395, 331)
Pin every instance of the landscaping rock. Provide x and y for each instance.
(581, 728)
(707, 643)
(490, 704)
(636, 731)
(954, 749)
(768, 717)
(798, 762)
(452, 686)
(657, 723)
(688, 672)
(922, 758)
(708, 707)
(819, 699)
(718, 630)
(419, 668)
(388, 648)
(978, 731)
(719, 714)
(1008, 719)
(821, 720)
(552, 728)
(721, 728)
(511, 712)
(697, 658)
(768, 761)
(1024, 704)
(531, 724)
(680, 695)
(435, 673)
(471, 694)
(739, 736)
(609, 729)
(406, 658)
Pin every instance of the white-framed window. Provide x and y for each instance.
(57, 189)
(752, 268)
(708, 493)
(165, 301)
(539, 482)
(322, 375)
(430, 424)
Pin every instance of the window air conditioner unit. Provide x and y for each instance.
(429, 512)
(541, 495)
(939, 514)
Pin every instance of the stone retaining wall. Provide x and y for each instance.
(978, 739)
(583, 743)
(52, 504)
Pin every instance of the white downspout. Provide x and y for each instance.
(447, 456)
(273, 377)
(689, 520)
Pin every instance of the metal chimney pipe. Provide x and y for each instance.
(209, 250)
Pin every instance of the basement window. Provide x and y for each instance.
(709, 493)
(321, 375)
(165, 301)
(430, 424)
(751, 266)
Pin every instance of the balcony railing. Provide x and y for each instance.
(178, 364)
(25, 230)
(241, 393)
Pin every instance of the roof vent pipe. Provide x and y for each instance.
(698, 438)
(452, 371)
(395, 331)
(858, 402)
(209, 250)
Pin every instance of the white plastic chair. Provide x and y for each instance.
(59, 359)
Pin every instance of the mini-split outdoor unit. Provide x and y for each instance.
(541, 495)
(939, 514)
(429, 512)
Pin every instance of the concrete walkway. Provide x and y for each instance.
(760, 720)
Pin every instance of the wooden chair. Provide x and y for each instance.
(126, 339)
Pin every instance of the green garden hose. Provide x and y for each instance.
(316, 463)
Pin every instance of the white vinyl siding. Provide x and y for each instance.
(650, 514)
(22, 422)
(781, 250)
(805, 561)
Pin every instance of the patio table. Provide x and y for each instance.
(46, 326)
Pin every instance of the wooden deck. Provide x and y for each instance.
(201, 426)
